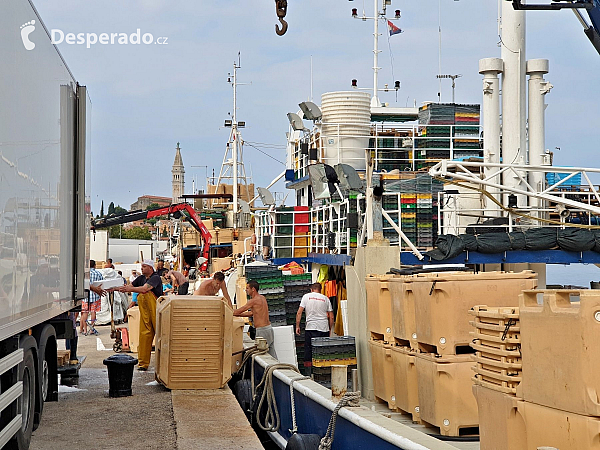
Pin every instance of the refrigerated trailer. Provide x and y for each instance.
(44, 215)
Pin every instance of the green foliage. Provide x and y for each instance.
(137, 233)
(119, 210)
(102, 209)
(152, 206)
(165, 233)
(115, 232)
(111, 208)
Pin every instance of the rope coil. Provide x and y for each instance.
(349, 399)
(271, 421)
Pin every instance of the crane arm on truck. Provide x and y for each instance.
(175, 211)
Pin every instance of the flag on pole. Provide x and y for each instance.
(393, 28)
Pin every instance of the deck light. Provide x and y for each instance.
(397, 14)
(396, 85)
(354, 83)
(228, 123)
(354, 12)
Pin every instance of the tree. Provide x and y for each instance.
(115, 232)
(152, 206)
(165, 233)
(137, 233)
(111, 208)
(119, 210)
(102, 209)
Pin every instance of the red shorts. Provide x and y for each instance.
(91, 306)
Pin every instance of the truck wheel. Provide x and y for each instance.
(27, 401)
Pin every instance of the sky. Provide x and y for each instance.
(146, 98)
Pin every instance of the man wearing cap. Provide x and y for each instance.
(148, 286)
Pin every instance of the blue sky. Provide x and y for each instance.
(148, 98)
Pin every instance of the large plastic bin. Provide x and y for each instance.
(193, 342)
(404, 327)
(383, 372)
(560, 343)
(549, 427)
(443, 300)
(446, 398)
(501, 424)
(379, 306)
(406, 382)
(237, 343)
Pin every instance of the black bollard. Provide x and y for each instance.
(120, 374)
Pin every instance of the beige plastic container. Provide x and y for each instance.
(405, 381)
(560, 342)
(379, 306)
(501, 424)
(237, 343)
(548, 427)
(404, 327)
(443, 300)
(446, 398)
(193, 342)
(383, 372)
(133, 324)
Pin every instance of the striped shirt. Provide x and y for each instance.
(95, 275)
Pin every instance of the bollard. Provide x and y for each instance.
(339, 381)
(354, 380)
(120, 374)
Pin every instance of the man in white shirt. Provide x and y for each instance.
(319, 319)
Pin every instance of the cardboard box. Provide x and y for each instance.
(224, 235)
(237, 247)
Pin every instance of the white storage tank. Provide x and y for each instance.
(346, 127)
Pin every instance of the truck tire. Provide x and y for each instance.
(26, 405)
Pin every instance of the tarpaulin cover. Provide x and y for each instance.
(493, 243)
(517, 240)
(544, 238)
(596, 240)
(576, 239)
(447, 246)
(470, 242)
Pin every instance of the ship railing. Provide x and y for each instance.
(392, 146)
(457, 214)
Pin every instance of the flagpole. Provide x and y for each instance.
(375, 100)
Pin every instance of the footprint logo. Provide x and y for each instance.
(26, 30)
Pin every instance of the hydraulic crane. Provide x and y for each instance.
(591, 30)
(176, 211)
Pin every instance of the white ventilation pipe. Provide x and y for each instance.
(490, 68)
(513, 95)
(538, 88)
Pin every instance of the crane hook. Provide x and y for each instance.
(281, 8)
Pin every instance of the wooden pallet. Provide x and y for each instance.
(63, 357)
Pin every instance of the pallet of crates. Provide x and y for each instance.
(442, 302)
(332, 351)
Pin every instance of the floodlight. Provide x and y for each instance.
(295, 121)
(265, 196)
(323, 180)
(244, 206)
(228, 123)
(310, 110)
(348, 177)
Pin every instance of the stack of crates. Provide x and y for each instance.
(332, 351)
(408, 212)
(295, 287)
(498, 371)
(352, 209)
(424, 220)
(301, 231)
(284, 229)
(379, 313)
(443, 333)
(270, 282)
(466, 132)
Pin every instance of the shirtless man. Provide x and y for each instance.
(213, 286)
(258, 309)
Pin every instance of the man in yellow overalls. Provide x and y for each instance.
(149, 288)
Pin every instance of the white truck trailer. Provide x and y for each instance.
(44, 215)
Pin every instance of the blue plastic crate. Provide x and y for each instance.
(555, 177)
